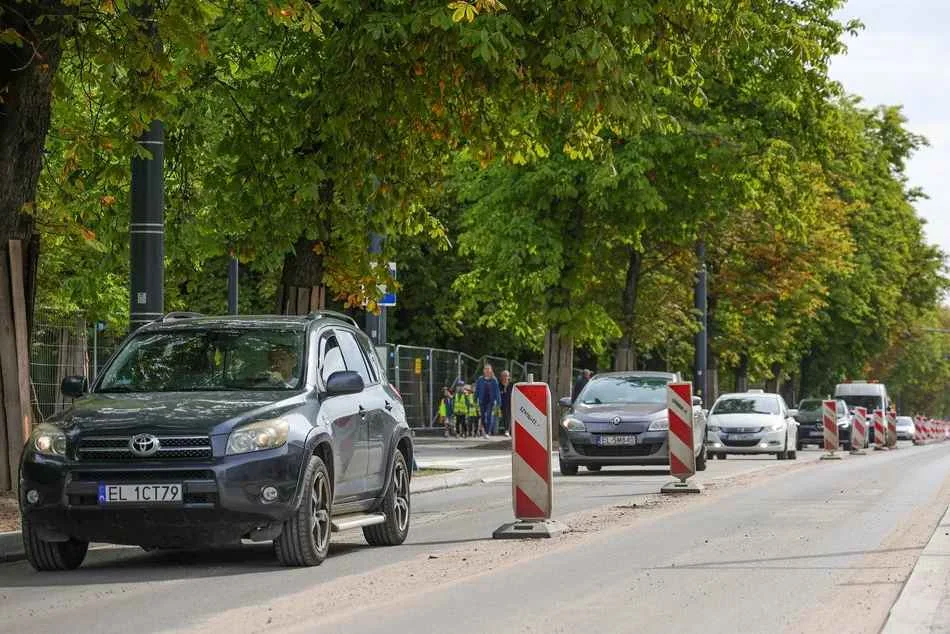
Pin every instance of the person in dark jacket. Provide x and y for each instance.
(579, 385)
(506, 387)
(488, 396)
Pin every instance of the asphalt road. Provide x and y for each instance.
(769, 546)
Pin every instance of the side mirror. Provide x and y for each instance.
(565, 402)
(706, 413)
(74, 386)
(793, 413)
(343, 382)
(697, 400)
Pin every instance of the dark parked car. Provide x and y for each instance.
(206, 430)
(811, 430)
(620, 418)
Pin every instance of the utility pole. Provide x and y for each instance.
(376, 324)
(147, 226)
(700, 359)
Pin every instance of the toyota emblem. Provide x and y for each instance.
(144, 445)
(615, 420)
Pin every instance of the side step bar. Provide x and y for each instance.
(357, 520)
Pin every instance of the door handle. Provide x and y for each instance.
(362, 412)
(389, 406)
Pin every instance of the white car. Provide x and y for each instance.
(751, 423)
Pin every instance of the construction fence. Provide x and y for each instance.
(72, 345)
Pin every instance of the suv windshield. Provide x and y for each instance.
(624, 389)
(809, 405)
(208, 360)
(747, 405)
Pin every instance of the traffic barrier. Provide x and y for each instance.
(680, 438)
(919, 433)
(532, 490)
(859, 431)
(880, 442)
(891, 434)
(829, 421)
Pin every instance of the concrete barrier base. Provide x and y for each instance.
(830, 456)
(858, 452)
(676, 488)
(530, 529)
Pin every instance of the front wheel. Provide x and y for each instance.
(305, 539)
(44, 555)
(701, 459)
(567, 468)
(396, 507)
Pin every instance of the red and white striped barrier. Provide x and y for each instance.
(531, 471)
(829, 421)
(532, 490)
(891, 435)
(681, 442)
(859, 431)
(919, 434)
(879, 441)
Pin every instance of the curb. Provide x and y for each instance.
(924, 601)
(11, 546)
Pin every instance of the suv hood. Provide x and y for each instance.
(171, 412)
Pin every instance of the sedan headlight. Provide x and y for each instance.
(265, 434)
(48, 440)
(712, 428)
(776, 427)
(572, 424)
(659, 424)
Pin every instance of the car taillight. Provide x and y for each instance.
(396, 390)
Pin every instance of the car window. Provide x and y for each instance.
(372, 361)
(354, 356)
(331, 357)
(747, 405)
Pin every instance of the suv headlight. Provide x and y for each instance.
(265, 434)
(572, 424)
(660, 423)
(48, 440)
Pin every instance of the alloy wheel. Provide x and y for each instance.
(401, 506)
(320, 511)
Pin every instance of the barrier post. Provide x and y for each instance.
(829, 421)
(532, 479)
(891, 430)
(918, 430)
(879, 440)
(859, 431)
(681, 439)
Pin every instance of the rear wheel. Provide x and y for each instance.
(305, 539)
(701, 459)
(799, 446)
(567, 468)
(396, 507)
(44, 555)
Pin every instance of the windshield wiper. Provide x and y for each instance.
(116, 389)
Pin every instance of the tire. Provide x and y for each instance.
(593, 467)
(782, 455)
(48, 556)
(567, 468)
(701, 459)
(722, 456)
(396, 506)
(305, 539)
(799, 446)
(792, 455)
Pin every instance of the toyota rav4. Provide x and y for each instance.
(208, 430)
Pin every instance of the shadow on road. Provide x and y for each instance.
(616, 473)
(751, 564)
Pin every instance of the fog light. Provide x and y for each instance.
(717, 445)
(269, 494)
(32, 496)
(763, 444)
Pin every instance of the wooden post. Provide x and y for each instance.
(14, 363)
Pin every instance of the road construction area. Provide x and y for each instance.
(795, 546)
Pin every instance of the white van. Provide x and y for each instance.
(871, 396)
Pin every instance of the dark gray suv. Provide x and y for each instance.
(206, 430)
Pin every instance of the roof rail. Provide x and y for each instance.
(181, 314)
(333, 313)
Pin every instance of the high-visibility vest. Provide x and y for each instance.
(465, 405)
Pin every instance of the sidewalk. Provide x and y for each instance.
(924, 603)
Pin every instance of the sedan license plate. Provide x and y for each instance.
(814, 433)
(617, 439)
(739, 436)
(140, 493)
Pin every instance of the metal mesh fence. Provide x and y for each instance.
(57, 350)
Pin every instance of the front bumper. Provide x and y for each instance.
(753, 443)
(221, 498)
(581, 447)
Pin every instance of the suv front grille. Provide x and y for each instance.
(117, 448)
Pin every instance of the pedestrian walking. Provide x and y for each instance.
(460, 410)
(506, 387)
(471, 406)
(447, 411)
(488, 396)
(580, 384)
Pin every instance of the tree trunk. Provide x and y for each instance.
(301, 284)
(557, 370)
(712, 379)
(742, 373)
(774, 382)
(625, 357)
(26, 78)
